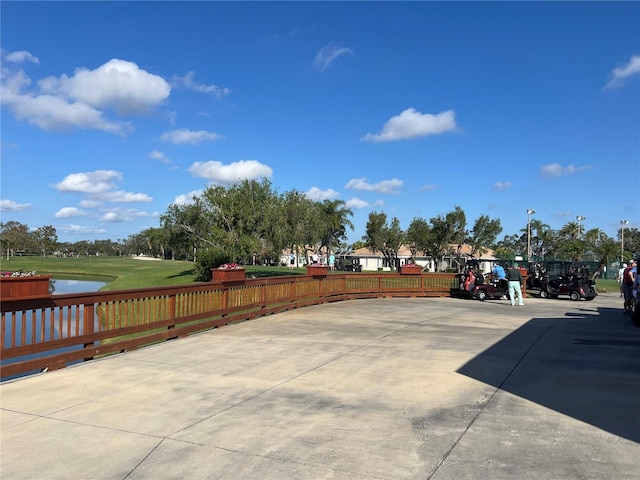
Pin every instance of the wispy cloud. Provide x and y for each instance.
(188, 82)
(329, 54)
(620, 74)
(11, 206)
(501, 186)
(552, 170)
(412, 124)
(159, 156)
(385, 186)
(189, 136)
(428, 187)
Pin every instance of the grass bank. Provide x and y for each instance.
(124, 272)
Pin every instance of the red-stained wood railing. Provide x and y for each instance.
(39, 334)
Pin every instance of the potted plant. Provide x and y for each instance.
(410, 269)
(15, 285)
(317, 270)
(228, 272)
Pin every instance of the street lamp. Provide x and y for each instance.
(622, 224)
(530, 211)
(579, 218)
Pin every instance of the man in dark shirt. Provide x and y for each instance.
(514, 277)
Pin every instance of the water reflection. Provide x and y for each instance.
(76, 286)
(30, 326)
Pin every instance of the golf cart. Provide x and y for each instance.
(567, 278)
(481, 288)
(348, 264)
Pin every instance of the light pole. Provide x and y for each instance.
(622, 224)
(579, 218)
(530, 211)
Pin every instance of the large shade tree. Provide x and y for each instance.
(387, 238)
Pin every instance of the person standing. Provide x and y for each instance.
(628, 277)
(514, 277)
(332, 261)
(619, 276)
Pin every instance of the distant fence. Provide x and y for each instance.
(51, 332)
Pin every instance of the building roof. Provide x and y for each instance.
(404, 251)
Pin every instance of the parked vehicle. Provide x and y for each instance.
(482, 288)
(348, 264)
(567, 278)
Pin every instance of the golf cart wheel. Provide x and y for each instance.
(481, 295)
(575, 296)
(544, 294)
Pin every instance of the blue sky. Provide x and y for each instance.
(111, 111)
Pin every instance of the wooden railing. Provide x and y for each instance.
(41, 334)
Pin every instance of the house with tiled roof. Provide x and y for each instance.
(374, 261)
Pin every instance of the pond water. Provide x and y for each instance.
(76, 286)
(61, 286)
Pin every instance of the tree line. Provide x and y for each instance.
(251, 222)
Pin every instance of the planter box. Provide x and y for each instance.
(405, 270)
(317, 270)
(225, 275)
(12, 288)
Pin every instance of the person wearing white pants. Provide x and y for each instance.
(514, 277)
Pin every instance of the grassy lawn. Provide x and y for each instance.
(124, 272)
(127, 272)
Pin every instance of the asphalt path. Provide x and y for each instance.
(431, 388)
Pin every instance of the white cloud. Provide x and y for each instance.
(216, 172)
(501, 186)
(21, 57)
(556, 170)
(80, 230)
(189, 136)
(67, 212)
(355, 203)
(314, 193)
(429, 186)
(99, 186)
(620, 74)
(11, 206)
(117, 84)
(125, 215)
(119, 196)
(412, 124)
(329, 54)
(77, 101)
(386, 186)
(188, 82)
(158, 155)
(98, 181)
(187, 198)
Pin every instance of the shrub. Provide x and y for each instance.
(207, 260)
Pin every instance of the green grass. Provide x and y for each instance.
(124, 272)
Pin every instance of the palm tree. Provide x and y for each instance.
(334, 223)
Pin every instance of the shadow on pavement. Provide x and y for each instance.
(585, 365)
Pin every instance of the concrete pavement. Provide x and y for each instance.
(368, 389)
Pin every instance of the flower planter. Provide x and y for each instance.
(410, 270)
(317, 270)
(225, 275)
(12, 288)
